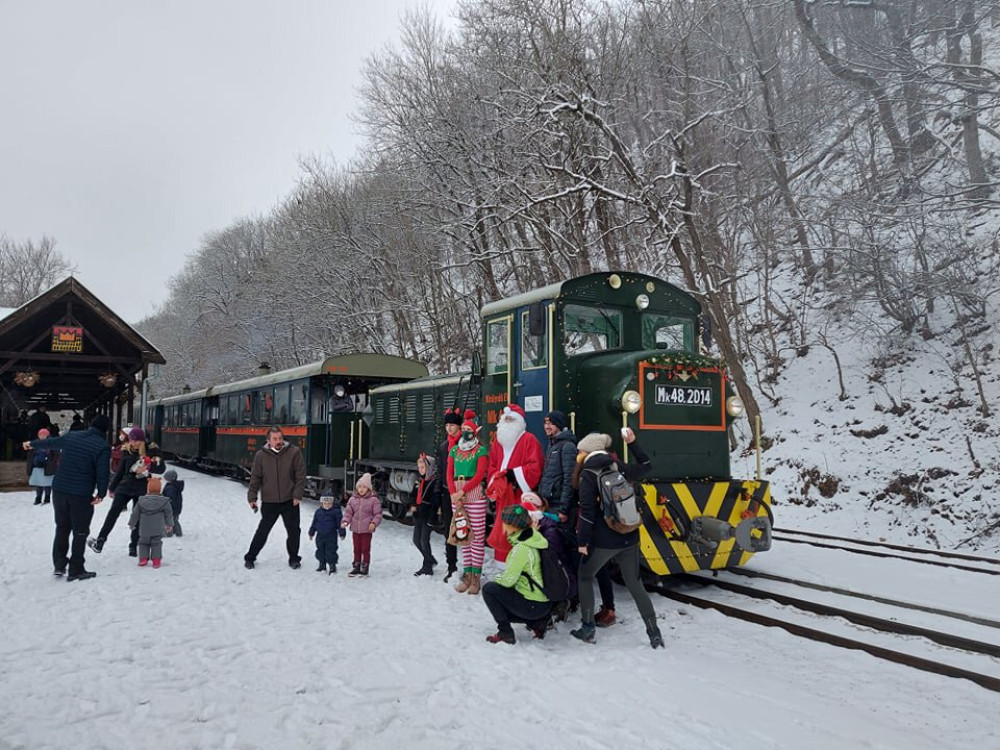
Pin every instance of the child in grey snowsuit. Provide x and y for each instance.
(154, 517)
(174, 489)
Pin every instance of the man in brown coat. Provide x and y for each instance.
(279, 475)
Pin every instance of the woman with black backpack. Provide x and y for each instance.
(602, 536)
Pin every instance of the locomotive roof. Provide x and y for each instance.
(587, 282)
(433, 380)
(345, 365)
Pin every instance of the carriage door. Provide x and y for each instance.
(496, 381)
(531, 365)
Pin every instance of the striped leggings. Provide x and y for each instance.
(475, 509)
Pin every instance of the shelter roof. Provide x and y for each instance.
(69, 339)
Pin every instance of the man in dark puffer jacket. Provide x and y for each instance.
(80, 483)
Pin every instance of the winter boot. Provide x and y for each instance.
(364, 568)
(143, 562)
(133, 552)
(156, 562)
(355, 571)
(321, 568)
(464, 584)
(501, 637)
(653, 631)
(587, 632)
(333, 569)
(38, 501)
(96, 544)
(451, 571)
(474, 580)
(539, 627)
(605, 617)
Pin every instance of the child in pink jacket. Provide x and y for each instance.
(362, 514)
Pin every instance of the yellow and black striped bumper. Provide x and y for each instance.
(666, 541)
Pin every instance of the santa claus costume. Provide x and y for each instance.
(467, 462)
(515, 467)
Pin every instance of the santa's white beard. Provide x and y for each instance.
(508, 433)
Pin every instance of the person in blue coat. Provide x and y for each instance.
(80, 483)
(326, 528)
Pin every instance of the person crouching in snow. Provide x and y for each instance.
(154, 517)
(424, 512)
(363, 514)
(326, 528)
(174, 489)
(512, 597)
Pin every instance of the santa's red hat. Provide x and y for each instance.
(515, 409)
(470, 422)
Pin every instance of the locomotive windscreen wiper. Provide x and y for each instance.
(603, 311)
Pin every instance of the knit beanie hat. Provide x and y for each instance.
(558, 419)
(43, 433)
(453, 416)
(595, 441)
(469, 425)
(136, 433)
(365, 481)
(101, 422)
(517, 516)
(170, 475)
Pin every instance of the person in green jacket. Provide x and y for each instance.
(511, 597)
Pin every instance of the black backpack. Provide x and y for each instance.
(621, 508)
(556, 582)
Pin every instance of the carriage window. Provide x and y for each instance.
(496, 347)
(534, 349)
(667, 332)
(591, 329)
(281, 404)
(318, 408)
(300, 398)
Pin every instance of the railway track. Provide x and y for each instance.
(956, 560)
(816, 619)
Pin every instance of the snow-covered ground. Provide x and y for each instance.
(205, 654)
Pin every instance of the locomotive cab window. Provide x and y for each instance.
(534, 348)
(590, 329)
(667, 332)
(496, 346)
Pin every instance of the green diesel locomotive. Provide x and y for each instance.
(610, 350)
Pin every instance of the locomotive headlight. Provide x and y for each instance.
(734, 406)
(631, 401)
(615, 281)
(642, 301)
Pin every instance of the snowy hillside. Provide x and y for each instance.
(907, 454)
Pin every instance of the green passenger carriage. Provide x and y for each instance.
(318, 407)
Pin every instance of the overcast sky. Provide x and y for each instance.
(130, 128)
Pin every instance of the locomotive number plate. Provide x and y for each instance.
(676, 395)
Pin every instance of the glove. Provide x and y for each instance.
(342, 534)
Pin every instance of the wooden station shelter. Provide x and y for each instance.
(65, 350)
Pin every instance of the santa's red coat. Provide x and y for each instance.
(526, 460)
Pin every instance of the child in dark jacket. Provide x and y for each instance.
(174, 489)
(326, 528)
(424, 512)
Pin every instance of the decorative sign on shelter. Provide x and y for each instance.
(67, 339)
